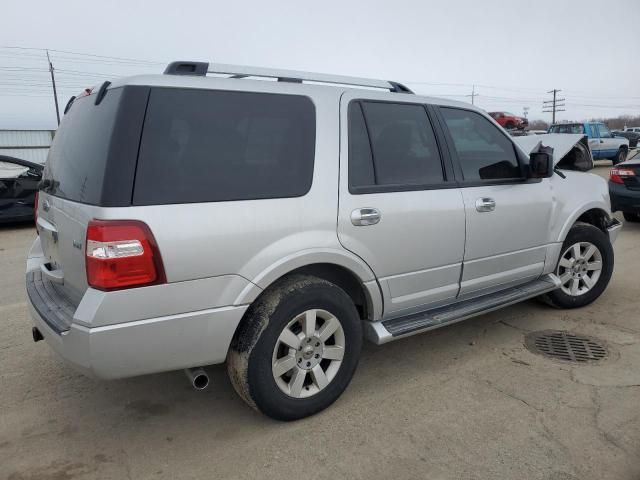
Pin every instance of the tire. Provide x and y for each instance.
(621, 156)
(257, 348)
(509, 125)
(631, 217)
(585, 236)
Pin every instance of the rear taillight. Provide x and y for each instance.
(617, 175)
(122, 254)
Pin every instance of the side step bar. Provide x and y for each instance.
(388, 330)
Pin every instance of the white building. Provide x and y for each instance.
(31, 145)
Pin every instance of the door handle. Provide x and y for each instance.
(485, 204)
(362, 217)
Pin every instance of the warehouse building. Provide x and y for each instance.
(30, 145)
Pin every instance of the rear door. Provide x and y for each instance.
(507, 216)
(595, 142)
(399, 208)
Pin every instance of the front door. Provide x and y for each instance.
(507, 216)
(399, 209)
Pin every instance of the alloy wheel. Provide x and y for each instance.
(579, 268)
(308, 353)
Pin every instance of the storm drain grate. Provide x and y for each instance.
(565, 346)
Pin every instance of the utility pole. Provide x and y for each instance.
(473, 95)
(554, 104)
(53, 84)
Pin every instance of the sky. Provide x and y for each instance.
(512, 51)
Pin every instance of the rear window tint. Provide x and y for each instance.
(78, 155)
(208, 146)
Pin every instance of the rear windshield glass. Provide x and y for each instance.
(207, 146)
(567, 128)
(78, 156)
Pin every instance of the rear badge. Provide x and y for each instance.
(77, 244)
(46, 206)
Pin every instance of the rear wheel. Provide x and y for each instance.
(584, 268)
(509, 125)
(621, 156)
(297, 348)
(631, 217)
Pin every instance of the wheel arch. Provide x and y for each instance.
(348, 272)
(592, 214)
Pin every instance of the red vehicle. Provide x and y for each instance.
(509, 120)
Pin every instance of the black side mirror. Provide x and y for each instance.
(541, 163)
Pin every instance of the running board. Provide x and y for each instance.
(388, 330)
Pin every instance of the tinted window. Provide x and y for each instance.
(360, 158)
(404, 149)
(484, 152)
(78, 155)
(207, 146)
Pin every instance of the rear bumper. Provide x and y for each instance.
(624, 199)
(145, 346)
(138, 331)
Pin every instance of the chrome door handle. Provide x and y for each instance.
(485, 204)
(361, 217)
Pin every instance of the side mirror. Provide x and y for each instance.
(541, 164)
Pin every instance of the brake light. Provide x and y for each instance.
(122, 254)
(617, 175)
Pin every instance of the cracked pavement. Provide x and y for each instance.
(466, 401)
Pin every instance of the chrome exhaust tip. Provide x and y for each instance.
(36, 334)
(198, 377)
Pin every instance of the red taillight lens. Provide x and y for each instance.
(617, 175)
(122, 254)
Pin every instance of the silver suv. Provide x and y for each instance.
(187, 220)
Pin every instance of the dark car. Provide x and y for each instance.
(624, 189)
(19, 181)
(633, 137)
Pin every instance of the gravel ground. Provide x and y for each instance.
(466, 401)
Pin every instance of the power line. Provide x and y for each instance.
(135, 60)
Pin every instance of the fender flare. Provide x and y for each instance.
(303, 258)
(577, 213)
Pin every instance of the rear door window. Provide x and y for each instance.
(484, 152)
(209, 146)
(392, 144)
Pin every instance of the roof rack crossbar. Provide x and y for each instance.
(242, 71)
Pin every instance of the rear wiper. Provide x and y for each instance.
(559, 172)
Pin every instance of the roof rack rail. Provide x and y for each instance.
(242, 71)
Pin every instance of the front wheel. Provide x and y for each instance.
(584, 268)
(297, 348)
